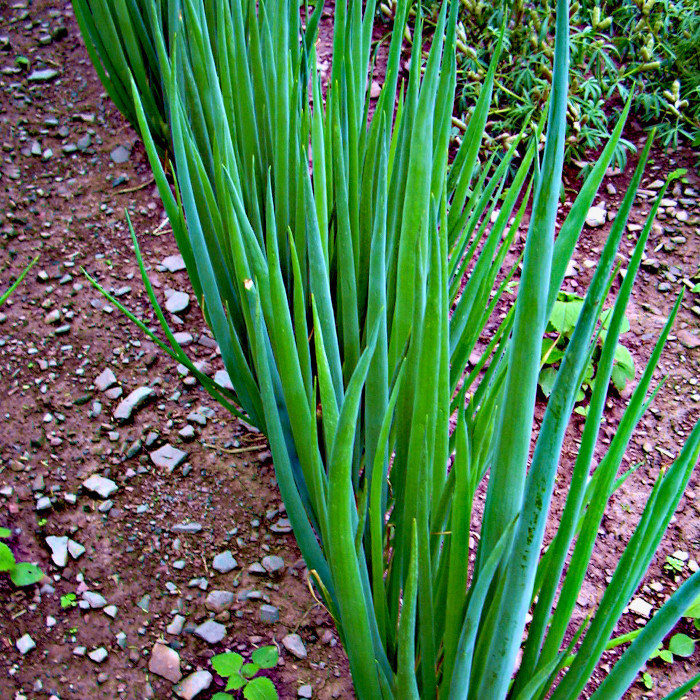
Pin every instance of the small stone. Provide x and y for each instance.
(98, 655)
(44, 503)
(688, 339)
(194, 684)
(596, 217)
(42, 76)
(187, 528)
(186, 433)
(282, 526)
(305, 691)
(198, 418)
(174, 263)
(223, 380)
(120, 155)
(133, 449)
(165, 662)
(100, 485)
(135, 400)
(168, 457)
(105, 506)
(269, 614)
(224, 562)
(218, 601)
(293, 644)
(52, 317)
(175, 627)
(75, 549)
(105, 380)
(274, 565)
(640, 607)
(84, 142)
(25, 644)
(110, 611)
(145, 603)
(59, 549)
(94, 600)
(177, 302)
(211, 632)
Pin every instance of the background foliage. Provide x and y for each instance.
(615, 45)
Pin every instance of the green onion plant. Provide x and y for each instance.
(348, 271)
(120, 38)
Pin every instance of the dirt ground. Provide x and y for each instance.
(70, 168)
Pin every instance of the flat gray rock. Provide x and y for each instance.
(120, 154)
(177, 302)
(95, 600)
(194, 684)
(42, 76)
(293, 644)
(218, 601)
(165, 662)
(269, 614)
(223, 380)
(273, 564)
(187, 528)
(173, 263)
(59, 549)
(597, 216)
(100, 485)
(75, 549)
(224, 562)
(211, 632)
(177, 625)
(135, 400)
(168, 457)
(105, 380)
(25, 644)
(98, 655)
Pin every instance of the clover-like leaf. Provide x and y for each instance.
(4, 533)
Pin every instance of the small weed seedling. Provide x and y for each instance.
(21, 573)
(561, 324)
(243, 676)
(68, 600)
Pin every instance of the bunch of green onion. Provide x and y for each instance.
(348, 271)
